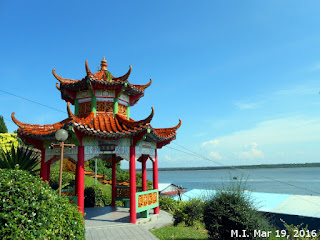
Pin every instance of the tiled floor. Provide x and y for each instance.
(113, 223)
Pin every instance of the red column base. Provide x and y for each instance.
(156, 210)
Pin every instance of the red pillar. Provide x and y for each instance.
(48, 165)
(43, 169)
(76, 178)
(133, 214)
(144, 174)
(80, 178)
(155, 177)
(114, 179)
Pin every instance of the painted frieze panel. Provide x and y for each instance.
(91, 152)
(95, 147)
(67, 153)
(103, 93)
(123, 148)
(100, 99)
(84, 100)
(146, 148)
(124, 99)
(83, 94)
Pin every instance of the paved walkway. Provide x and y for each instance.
(113, 223)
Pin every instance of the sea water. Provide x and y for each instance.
(298, 181)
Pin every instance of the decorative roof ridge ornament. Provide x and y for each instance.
(89, 73)
(63, 80)
(22, 125)
(122, 119)
(104, 64)
(84, 121)
(58, 87)
(124, 77)
(170, 129)
(143, 86)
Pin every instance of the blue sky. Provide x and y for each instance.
(244, 76)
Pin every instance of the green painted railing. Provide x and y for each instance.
(147, 200)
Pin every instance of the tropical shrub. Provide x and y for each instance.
(31, 209)
(20, 157)
(94, 196)
(231, 210)
(188, 212)
(168, 204)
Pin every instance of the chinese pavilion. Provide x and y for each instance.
(101, 127)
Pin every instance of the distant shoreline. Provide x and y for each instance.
(296, 165)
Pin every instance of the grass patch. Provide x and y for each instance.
(181, 232)
(89, 182)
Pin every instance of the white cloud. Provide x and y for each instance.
(272, 141)
(253, 153)
(211, 142)
(277, 131)
(166, 157)
(216, 155)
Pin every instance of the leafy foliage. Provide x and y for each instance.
(20, 157)
(188, 212)
(231, 209)
(69, 166)
(168, 204)
(30, 208)
(67, 179)
(103, 167)
(94, 196)
(294, 231)
(3, 127)
(9, 139)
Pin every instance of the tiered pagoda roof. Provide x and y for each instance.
(101, 80)
(102, 125)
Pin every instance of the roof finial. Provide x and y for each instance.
(104, 64)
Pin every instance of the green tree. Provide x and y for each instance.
(3, 127)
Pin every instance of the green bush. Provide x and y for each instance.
(31, 209)
(188, 212)
(232, 210)
(94, 196)
(168, 204)
(67, 178)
